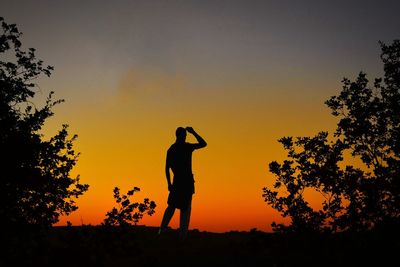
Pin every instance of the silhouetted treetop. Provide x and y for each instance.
(368, 127)
(35, 182)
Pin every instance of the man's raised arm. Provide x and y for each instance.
(201, 142)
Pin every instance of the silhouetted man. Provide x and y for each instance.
(179, 160)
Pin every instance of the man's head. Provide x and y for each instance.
(180, 134)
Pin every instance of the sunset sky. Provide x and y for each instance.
(241, 73)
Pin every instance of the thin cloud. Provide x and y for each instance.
(139, 83)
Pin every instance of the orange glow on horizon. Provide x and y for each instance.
(124, 137)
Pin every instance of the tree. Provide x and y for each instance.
(355, 198)
(128, 213)
(35, 182)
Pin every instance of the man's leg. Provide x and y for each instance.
(169, 212)
(184, 221)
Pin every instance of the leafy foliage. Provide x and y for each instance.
(35, 184)
(126, 212)
(313, 164)
(369, 128)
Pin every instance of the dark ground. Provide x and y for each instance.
(141, 246)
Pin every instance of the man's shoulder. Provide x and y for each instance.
(171, 147)
(180, 146)
(190, 146)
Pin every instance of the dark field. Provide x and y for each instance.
(141, 246)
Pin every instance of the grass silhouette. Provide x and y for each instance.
(141, 246)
